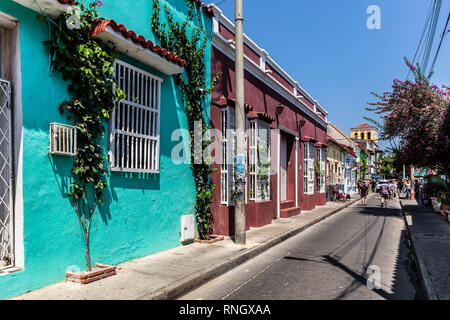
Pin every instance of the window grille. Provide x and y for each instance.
(6, 212)
(308, 170)
(321, 177)
(228, 153)
(259, 165)
(134, 134)
(63, 139)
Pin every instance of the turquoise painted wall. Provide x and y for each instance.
(140, 215)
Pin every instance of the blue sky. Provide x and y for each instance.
(326, 46)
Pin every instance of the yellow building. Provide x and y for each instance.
(364, 132)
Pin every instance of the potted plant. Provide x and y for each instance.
(443, 195)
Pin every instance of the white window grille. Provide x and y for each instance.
(134, 134)
(6, 212)
(259, 164)
(321, 178)
(224, 165)
(63, 139)
(228, 153)
(308, 170)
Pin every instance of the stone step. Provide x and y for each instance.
(289, 212)
(286, 204)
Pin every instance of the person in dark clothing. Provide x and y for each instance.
(364, 192)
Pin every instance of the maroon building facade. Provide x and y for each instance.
(286, 135)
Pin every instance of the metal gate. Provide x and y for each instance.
(6, 212)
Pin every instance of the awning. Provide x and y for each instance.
(137, 47)
(51, 8)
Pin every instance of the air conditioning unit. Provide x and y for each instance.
(63, 139)
(187, 228)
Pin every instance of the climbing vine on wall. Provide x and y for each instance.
(88, 66)
(175, 37)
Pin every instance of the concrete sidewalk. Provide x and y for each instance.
(430, 237)
(169, 274)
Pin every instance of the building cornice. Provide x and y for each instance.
(227, 49)
(219, 17)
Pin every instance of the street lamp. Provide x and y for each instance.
(302, 122)
(280, 109)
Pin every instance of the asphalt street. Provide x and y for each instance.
(359, 253)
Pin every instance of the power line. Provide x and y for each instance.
(440, 42)
(425, 27)
(432, 34)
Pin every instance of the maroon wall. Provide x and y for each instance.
(262, 99)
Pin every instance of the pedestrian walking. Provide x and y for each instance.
(385, 194)
(391, 189)
(408, 189)
(421, 190)
(364, 193)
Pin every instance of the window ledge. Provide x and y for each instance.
(9, 270)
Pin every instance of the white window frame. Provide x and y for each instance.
(228, 153)
(14, 75)
(135, 147)
(321, 179)
(254, 161)
(308, 168)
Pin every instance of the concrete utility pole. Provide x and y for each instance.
(240, 164)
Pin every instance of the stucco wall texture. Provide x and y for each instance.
(140, 214)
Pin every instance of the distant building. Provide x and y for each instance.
(366, 136)
(364, 132)
(342, 161)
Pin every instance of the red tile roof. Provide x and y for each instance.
(343, 146)
(364, 126)
(100, 25)
(71, 2)
(224, 102)
(206, 9)
(261, 115)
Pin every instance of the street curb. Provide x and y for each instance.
(424, 274)
(197, 279)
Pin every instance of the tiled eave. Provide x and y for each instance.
(262, 116)
(229, 102)
(206, 8)
(137, 47)
(299, 92)
(227, 48)
(50, 8)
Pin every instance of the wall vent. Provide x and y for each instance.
(63, 139)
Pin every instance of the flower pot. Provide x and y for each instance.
(212, 239)
(100, 271)
(434, 204)
(445, 209)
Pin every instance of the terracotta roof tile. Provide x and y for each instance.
(70, 2)
(101, 24)
(364, 126)
(261, 115)
(206, 9)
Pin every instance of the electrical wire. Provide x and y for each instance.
(432, 35)
(425, 27)
(440, 43)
